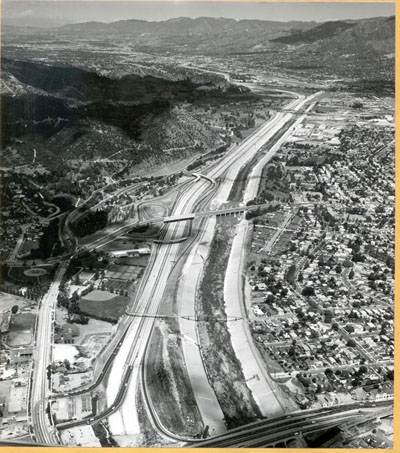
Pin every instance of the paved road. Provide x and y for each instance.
(255, 175)
(151, 298)
(131, 353)
(270, 431)
(279, 231)
(40, 388)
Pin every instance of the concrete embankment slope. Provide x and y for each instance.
(253, 368)
(207, 402)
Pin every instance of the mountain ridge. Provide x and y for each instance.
(181, 25)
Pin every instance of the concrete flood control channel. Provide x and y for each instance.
(207, 402)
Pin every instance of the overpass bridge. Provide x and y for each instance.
(278, 431)
(218, 213)
(206, 318)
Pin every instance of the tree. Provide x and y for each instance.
(67, 364)
(363, 369)
(328, 315)
(357, 105)
(270, 298)
(308, 291)
(14, 309)
(390, 375)
(358, 258)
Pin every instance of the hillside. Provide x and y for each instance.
(345, 36)
(70, 114)
(323, 31)
(359, 52)
(177, 129)
(375, 35)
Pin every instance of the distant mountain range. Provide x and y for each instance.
(221, 35)
(186, 26)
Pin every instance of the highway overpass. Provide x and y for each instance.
(218, 213)
(277, 430)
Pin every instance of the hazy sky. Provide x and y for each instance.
(59, 12)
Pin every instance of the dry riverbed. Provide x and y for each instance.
(223, 368)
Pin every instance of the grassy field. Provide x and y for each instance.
(96, 306)
(152, 210)
(223, 367)
(21, 329)
(27, 246)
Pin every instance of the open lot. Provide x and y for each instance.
(9, 300)
(152, 210)
(21, 329)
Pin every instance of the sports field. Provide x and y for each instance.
(103, 305)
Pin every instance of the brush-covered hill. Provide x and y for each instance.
(67, 114)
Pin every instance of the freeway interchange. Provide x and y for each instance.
(126, 353)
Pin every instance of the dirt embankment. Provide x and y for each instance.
(223, 368)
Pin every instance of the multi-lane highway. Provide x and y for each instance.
(268, 432)
(125, 421)
(124, 375)
(40, 388)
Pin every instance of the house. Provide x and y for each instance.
(21, 355)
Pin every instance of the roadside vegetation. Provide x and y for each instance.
(90, 223)
(239, 185)
(168, 385)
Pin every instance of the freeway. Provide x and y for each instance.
(270, 431)
(216, 212)
(125, 421)
(230, 164)
(124, 374)
(120, 396)
(40, 388)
